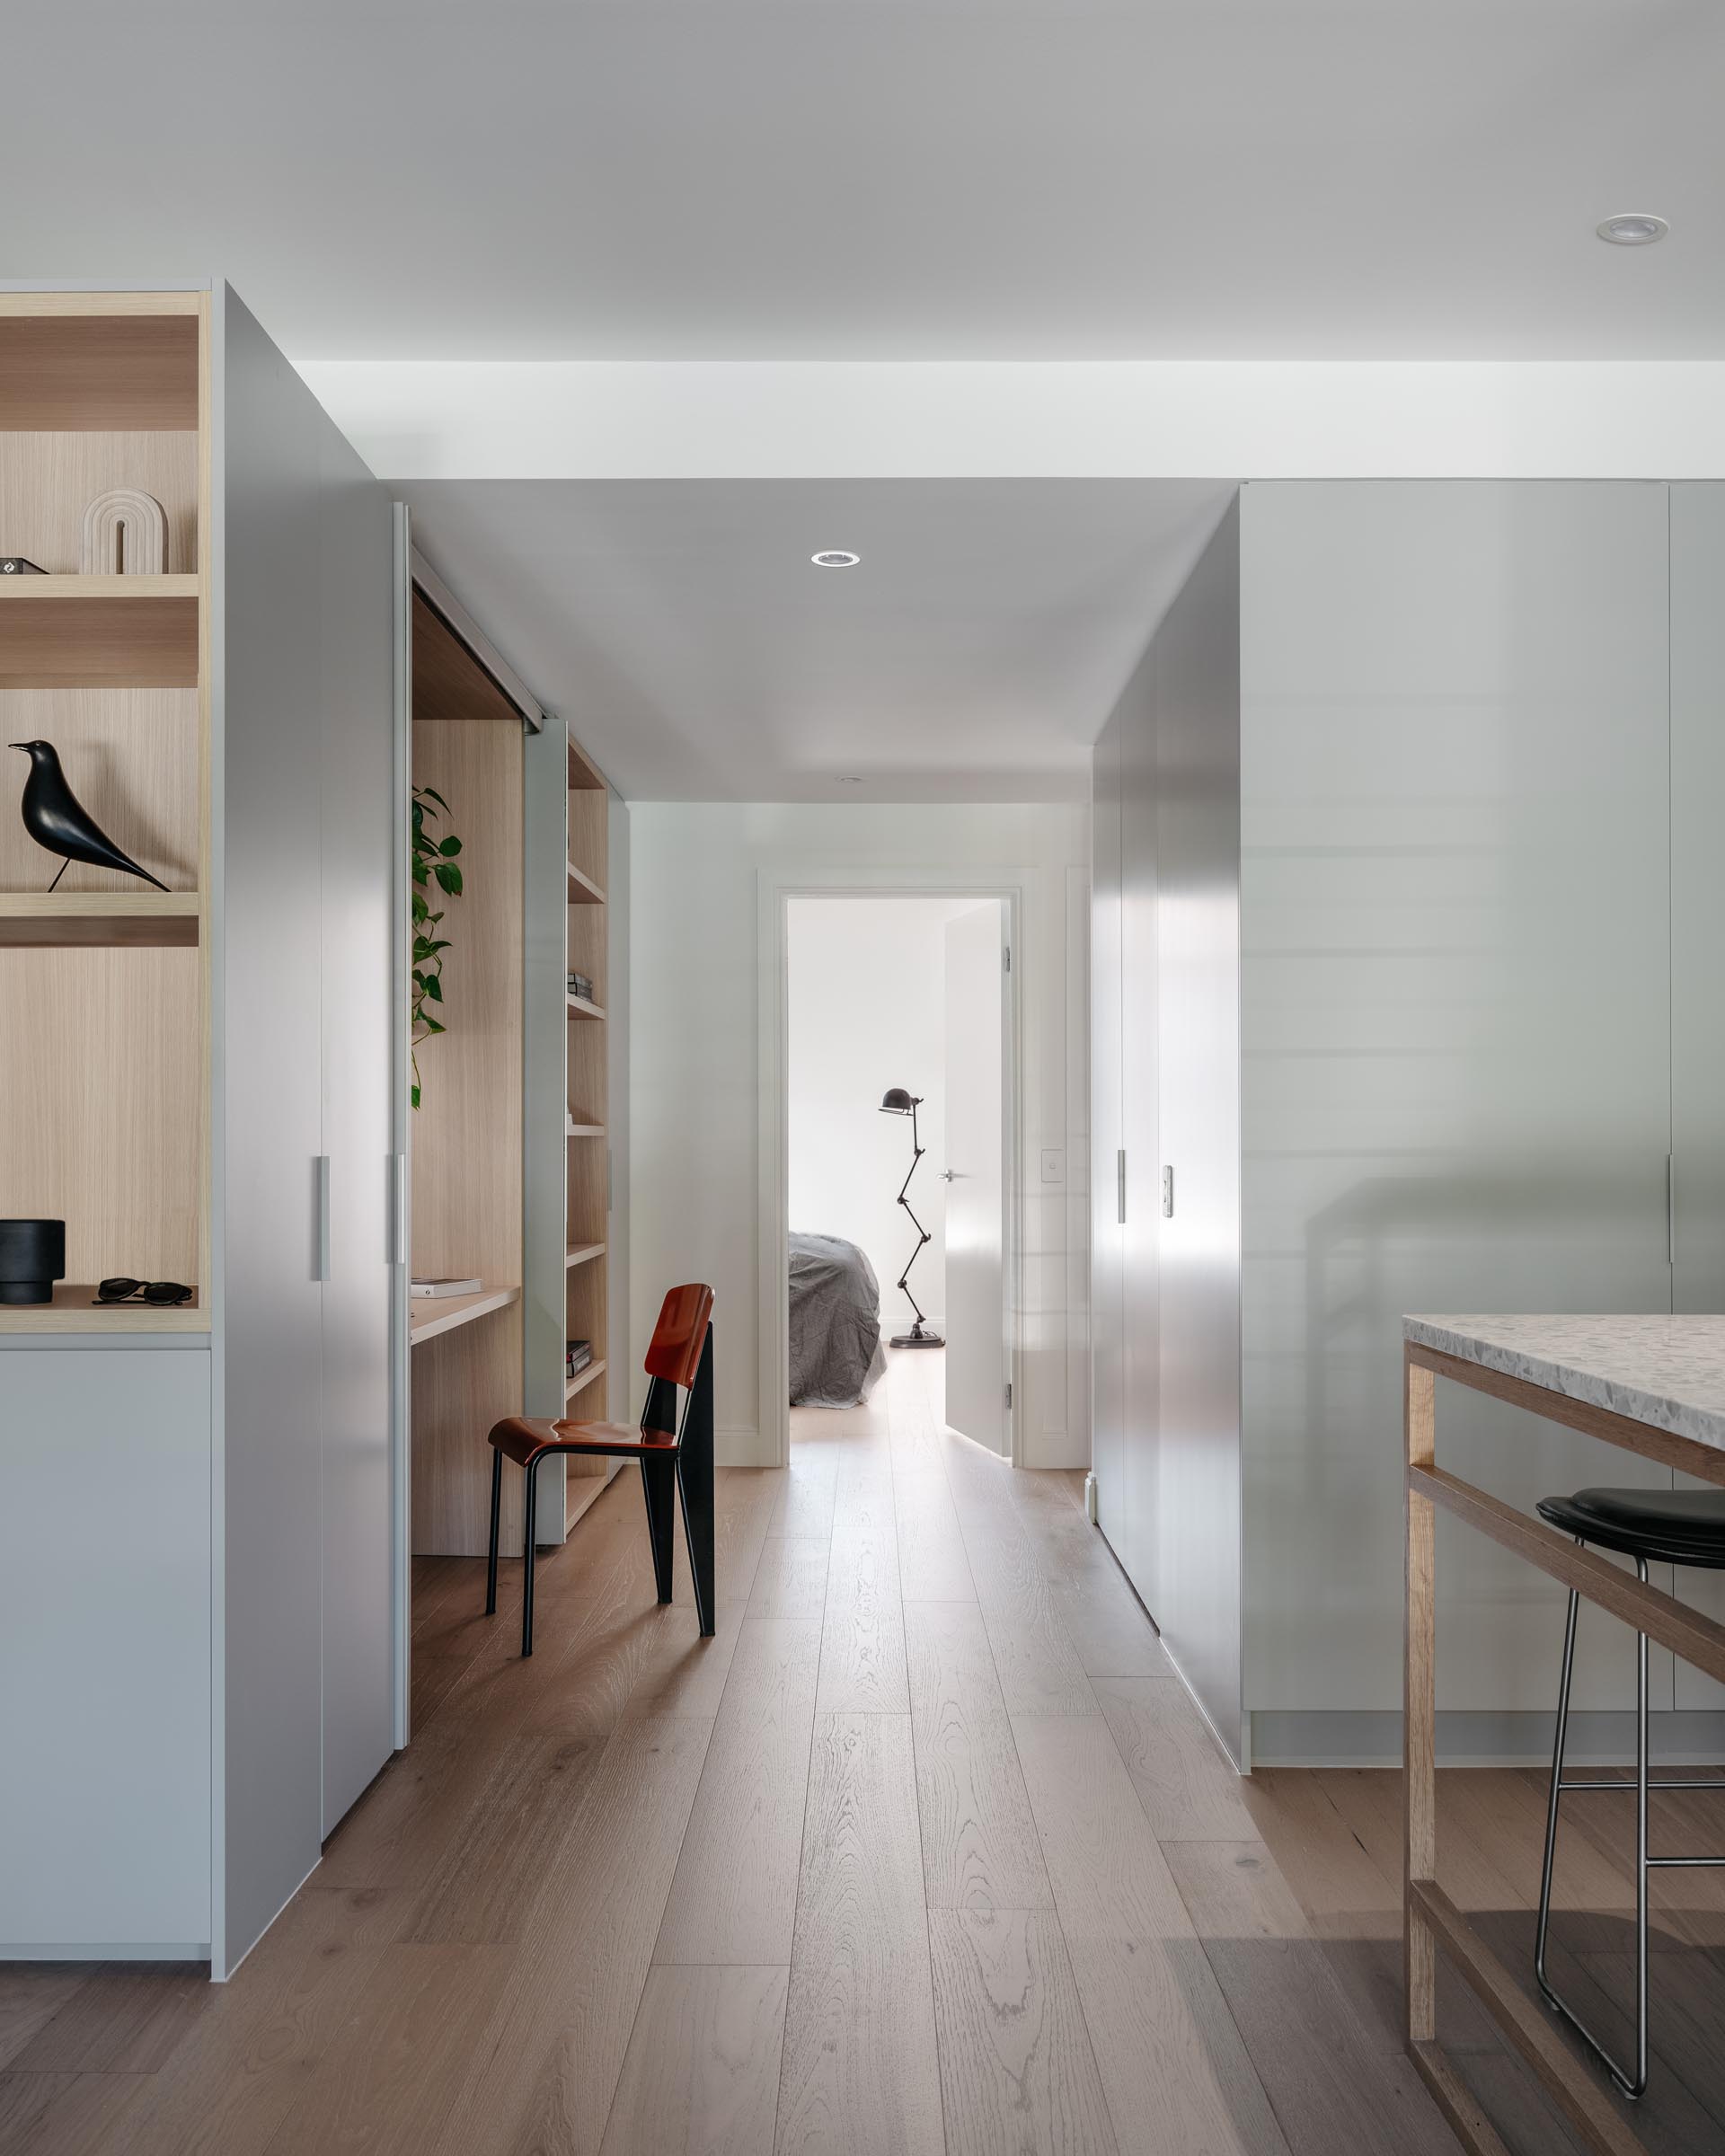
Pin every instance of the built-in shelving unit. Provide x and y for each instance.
(582, 1380)
(104, 1068)
(434, 1314)
(586, 1171)
(465, 1136)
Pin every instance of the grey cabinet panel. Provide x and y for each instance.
(1454, 994)
(1107, 1143)
(358, 868)
(1140, 1049)
(267, 948)
(1698, 943)
(1196, 1584)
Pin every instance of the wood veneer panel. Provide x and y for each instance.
(101, 372)
(449, 685)
(98, 642)
(102, 1105)
(46, 481)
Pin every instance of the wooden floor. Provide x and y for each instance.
(926, 1852)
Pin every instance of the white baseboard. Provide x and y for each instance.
(738, 1444)
(1598, 1737)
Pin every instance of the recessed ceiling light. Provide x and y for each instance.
(834, 558)
(1635, 229)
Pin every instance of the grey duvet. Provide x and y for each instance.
(835, 1352)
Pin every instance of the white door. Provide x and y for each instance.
(977, 1361)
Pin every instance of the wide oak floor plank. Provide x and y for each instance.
(701, 2077)
(1016, 2065)
(734, 1894)
(980, 1849)
(861, 2075)
(1189, 1792)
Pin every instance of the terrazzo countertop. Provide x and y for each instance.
(1668, 1372)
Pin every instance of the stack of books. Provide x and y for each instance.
(580, 1354)
(579, 985)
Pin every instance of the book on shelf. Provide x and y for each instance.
(446, 1287)
(580, 1354)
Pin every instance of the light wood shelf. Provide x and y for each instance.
(13, 590)
(584, 775)
(579, 1007)
(583, 1378)
(119, 919)
(584, 1130)
(582, 889)
(582, 1253)
(433, 1314)
(73, 1310)
(79, 632)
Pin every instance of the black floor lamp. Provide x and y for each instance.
(899, 1102)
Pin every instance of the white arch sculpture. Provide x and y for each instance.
(124, 530)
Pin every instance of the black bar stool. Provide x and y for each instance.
(1653, 1526)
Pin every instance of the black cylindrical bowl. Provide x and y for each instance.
(33, 1258)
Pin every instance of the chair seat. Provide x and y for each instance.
(1665, 1526)
(521, 1438)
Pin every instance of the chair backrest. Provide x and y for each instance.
(680, 1335)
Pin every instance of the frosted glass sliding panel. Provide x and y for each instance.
(1455, 1031)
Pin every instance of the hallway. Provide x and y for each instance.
(926, 1852)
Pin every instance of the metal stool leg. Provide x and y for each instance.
(1635, 2085)
(527, 1531)
(497, 1521)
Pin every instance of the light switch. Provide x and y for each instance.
(1054, 1164)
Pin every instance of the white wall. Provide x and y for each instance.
(696, 873)
(867, 1010)
(1156, 418)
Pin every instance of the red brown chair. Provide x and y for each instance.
(674, 1451)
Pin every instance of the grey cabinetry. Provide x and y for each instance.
(1413, 884)
(1108, 1143)
(304, 580)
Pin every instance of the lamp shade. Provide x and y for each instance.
(896, 1101)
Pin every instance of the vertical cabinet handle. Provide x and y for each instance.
(320, 1204)
(397, 1209)
(1119, 1186)
(1671, 1209)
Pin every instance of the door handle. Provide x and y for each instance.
(949, 1175)
(397, 1209)
(320, 1204)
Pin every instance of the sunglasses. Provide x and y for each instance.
(160, 1292)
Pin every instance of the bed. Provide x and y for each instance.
(835, 1352)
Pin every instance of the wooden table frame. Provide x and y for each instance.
(1597, 2117)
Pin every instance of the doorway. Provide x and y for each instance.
(898, 1188)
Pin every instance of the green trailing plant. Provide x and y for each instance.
(434, 861)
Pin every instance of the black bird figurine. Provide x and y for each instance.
(59, 822)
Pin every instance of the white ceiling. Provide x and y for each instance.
(681, 629)
(930, 178)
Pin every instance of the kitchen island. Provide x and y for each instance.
(1654, 1386)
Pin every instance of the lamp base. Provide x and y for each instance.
(916, 1338)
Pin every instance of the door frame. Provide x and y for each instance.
(776, 889)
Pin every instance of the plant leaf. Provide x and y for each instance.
(450, 846)
(449, 879)
(434, 988)
(431, 794)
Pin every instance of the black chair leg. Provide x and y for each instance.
(497, 1521)
(658, 1481)
(695, 1486)
(527, 1533)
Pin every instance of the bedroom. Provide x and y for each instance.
(899, 1187)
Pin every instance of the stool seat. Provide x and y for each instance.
(1664, 1526)
(522, 1437)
